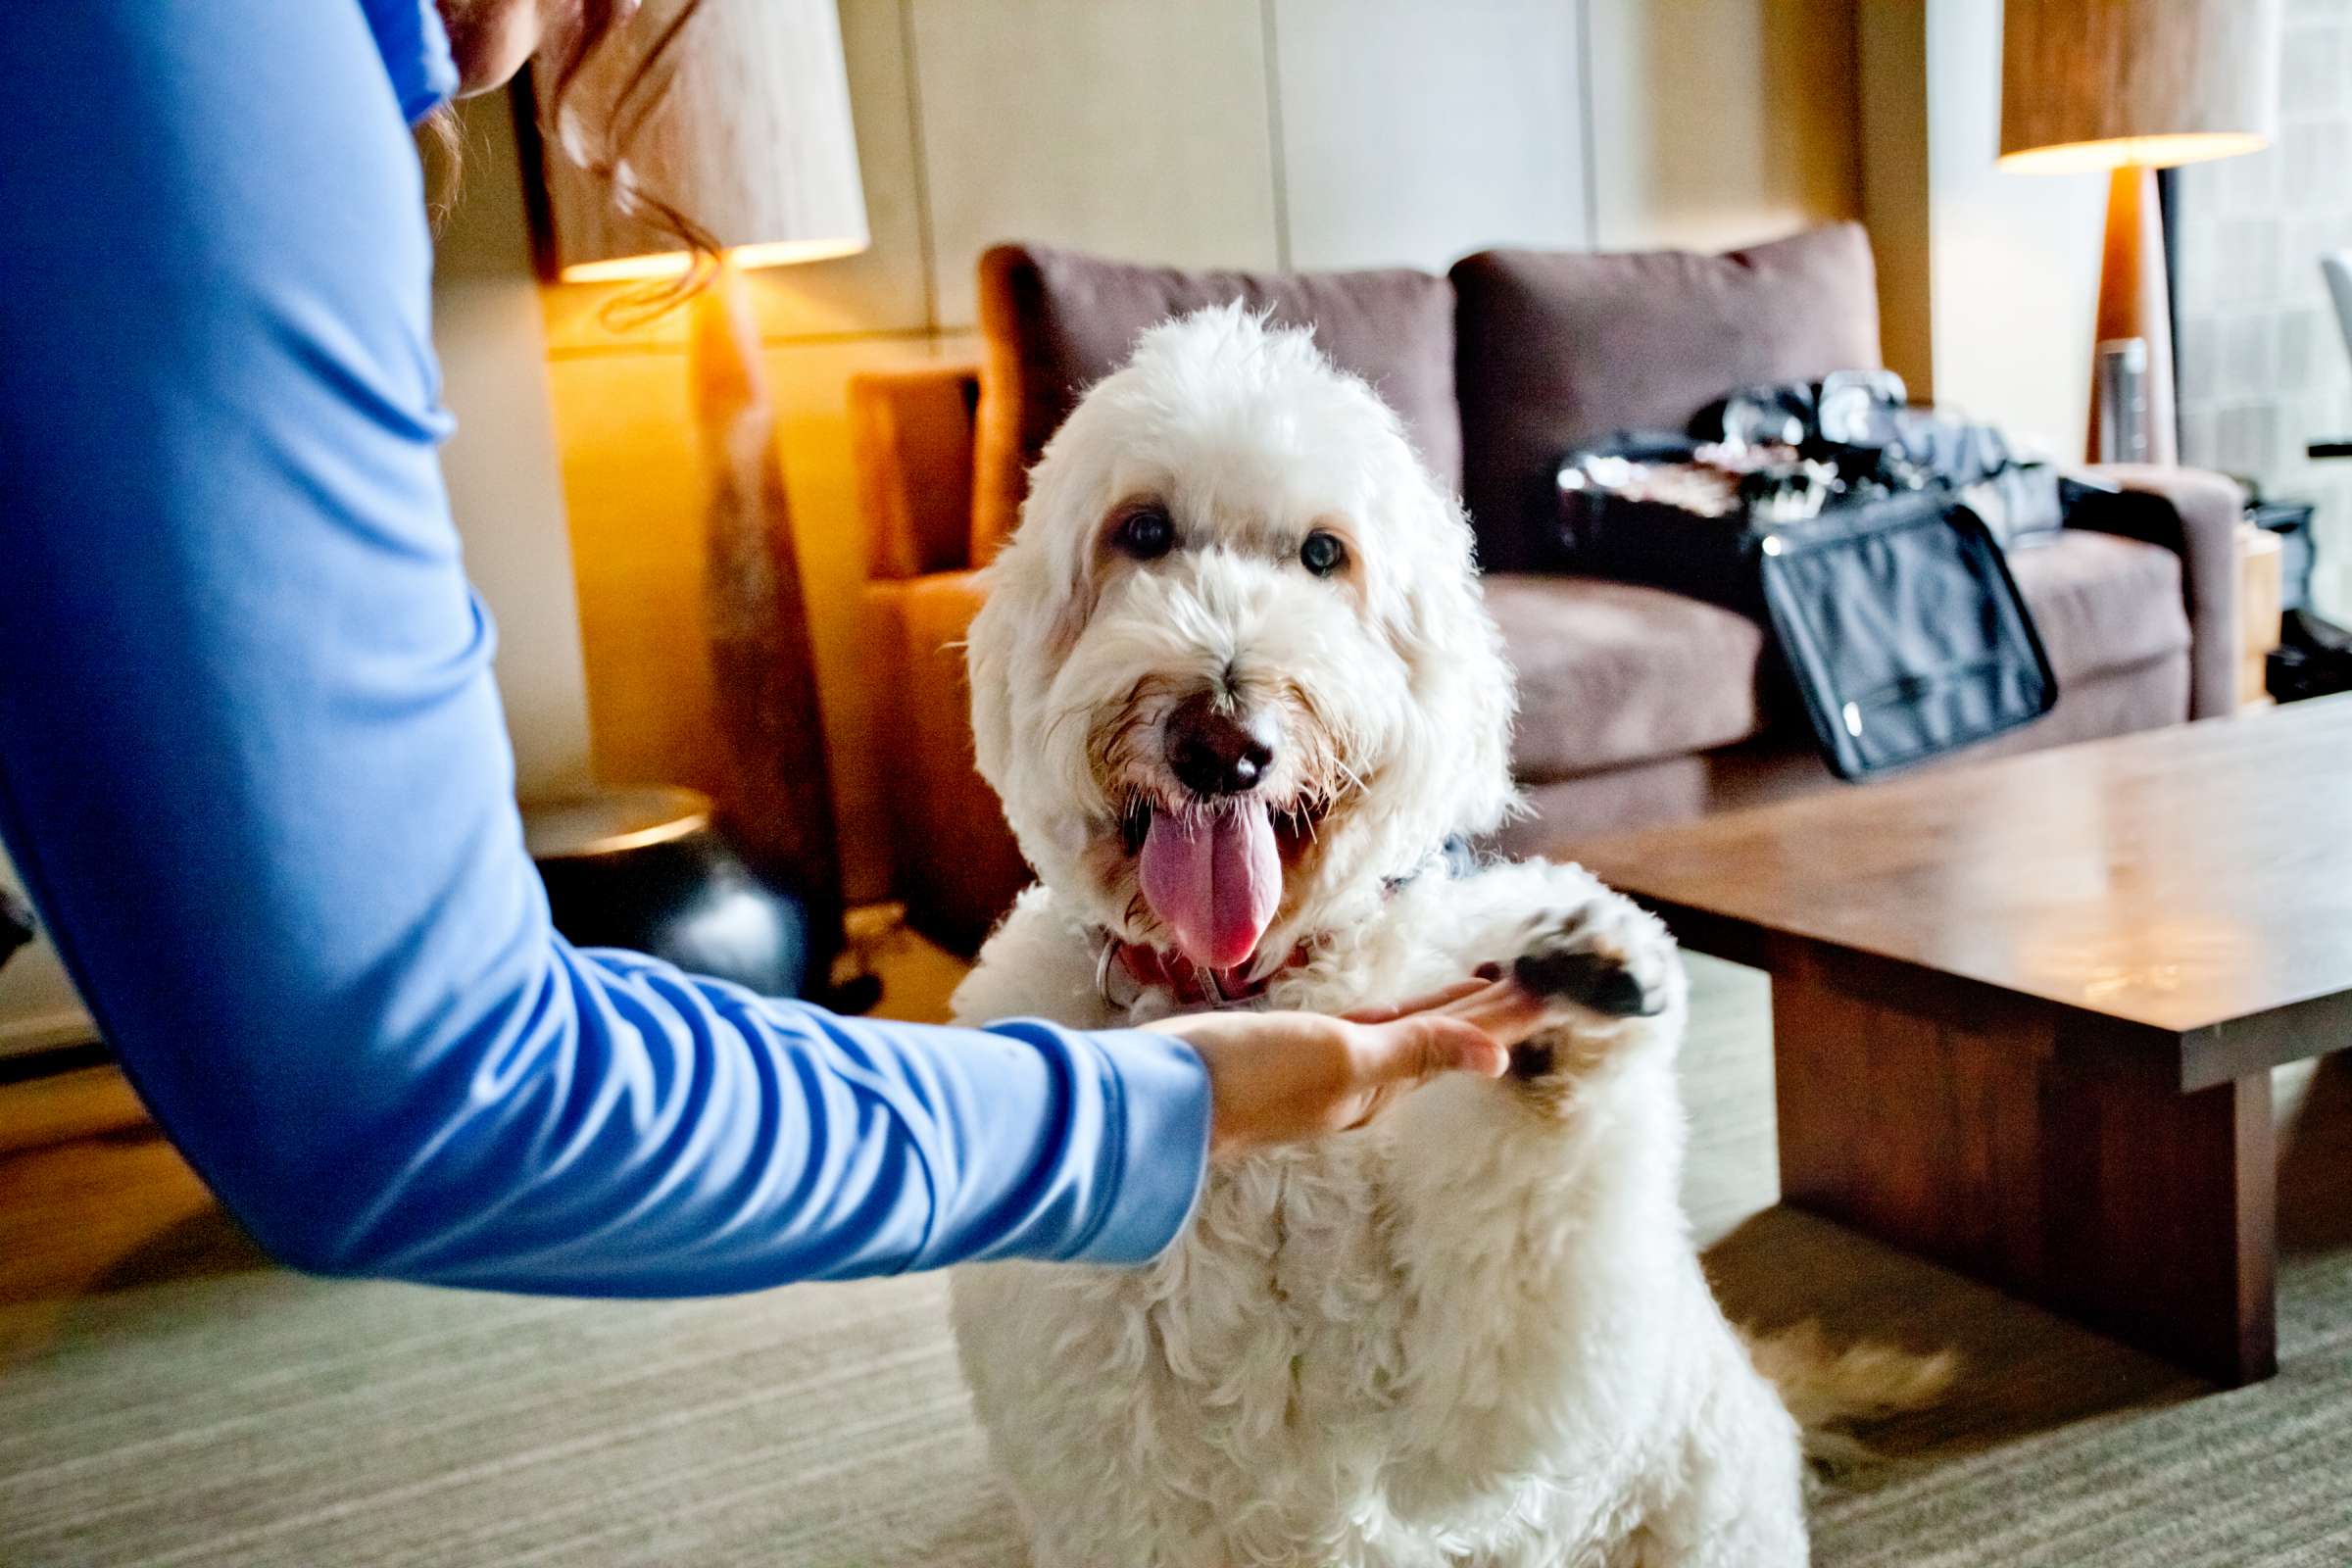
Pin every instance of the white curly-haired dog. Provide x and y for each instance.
(1238, 690)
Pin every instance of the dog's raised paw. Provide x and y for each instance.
(1607, 956)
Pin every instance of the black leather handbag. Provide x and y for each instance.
(1898, 629)
(1901, 630)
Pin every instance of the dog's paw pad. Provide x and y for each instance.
(1609, 961)
(1600, 981)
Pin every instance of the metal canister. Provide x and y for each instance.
(2124, 400)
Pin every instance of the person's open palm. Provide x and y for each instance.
(1277, 1077)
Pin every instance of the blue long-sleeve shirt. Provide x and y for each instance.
(253, 770)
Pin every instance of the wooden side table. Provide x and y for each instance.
(2261, 601)
(645, 870)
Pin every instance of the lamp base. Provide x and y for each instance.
(2135, 301)
(776, 792)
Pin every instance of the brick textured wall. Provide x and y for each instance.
(2263, 365)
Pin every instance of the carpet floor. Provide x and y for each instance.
(189, 1405)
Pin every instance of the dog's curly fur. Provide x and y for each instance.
(1475, 1332)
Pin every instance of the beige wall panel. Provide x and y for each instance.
(1133, 127)
(881, 289)
(631, 483)
(1414, 131)
(1717, 122)
(501, 466)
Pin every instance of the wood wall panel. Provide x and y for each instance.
(1414, 131)
(1135, 128)
(1720, 122)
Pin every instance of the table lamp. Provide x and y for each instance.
(2132, 86)
(751, 141)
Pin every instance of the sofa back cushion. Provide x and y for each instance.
(1054, 321)
(1554, 347)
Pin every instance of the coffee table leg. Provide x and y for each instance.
(2062, 1165)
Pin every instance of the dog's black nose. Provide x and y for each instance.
(1218, 753)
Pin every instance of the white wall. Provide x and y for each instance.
(1252, 133)
(2014, 258)
(1412, 133)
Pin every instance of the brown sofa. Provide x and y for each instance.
(1636, 706)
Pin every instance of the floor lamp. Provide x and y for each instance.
(2132, 86)
(752, 142)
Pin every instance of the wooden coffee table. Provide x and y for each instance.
(2025, 1012)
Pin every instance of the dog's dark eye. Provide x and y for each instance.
(1322, 554)
(1147, 534)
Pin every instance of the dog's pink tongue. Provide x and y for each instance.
(1213, 881)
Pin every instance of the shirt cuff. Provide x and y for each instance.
(1159, 1145)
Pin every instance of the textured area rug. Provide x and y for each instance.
(198, 1407)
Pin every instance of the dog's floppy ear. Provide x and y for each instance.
(1462, 683)
(1011, 586)
(1039, 595)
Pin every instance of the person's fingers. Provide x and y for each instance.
(1470, 1048)
(1421, 1004)
(1505, 1011)
(1414, 1049)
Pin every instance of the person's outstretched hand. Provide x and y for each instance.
(1276, 1077)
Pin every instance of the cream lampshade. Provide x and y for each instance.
(2132, 86)
(752, 145)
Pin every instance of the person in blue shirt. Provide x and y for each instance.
(254, 772)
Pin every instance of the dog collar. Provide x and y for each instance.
(1150, 968)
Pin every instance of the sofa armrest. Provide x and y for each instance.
(2195, 515)
(911, 440)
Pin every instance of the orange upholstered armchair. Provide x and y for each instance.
(954, 861)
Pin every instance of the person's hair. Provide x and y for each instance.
(600, 147)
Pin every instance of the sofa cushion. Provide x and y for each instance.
(1053, 322)
(2103, 602)
(1611, 674)
(1555, 346)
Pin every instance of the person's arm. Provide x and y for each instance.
(253, 770)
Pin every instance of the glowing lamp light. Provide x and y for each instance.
(673, 263)
(2134, 152)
